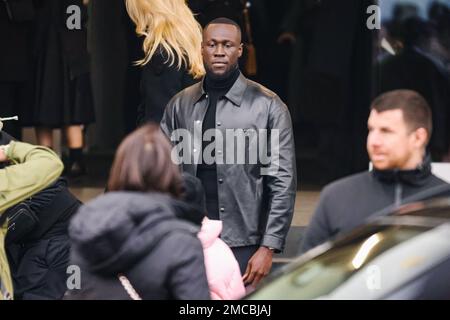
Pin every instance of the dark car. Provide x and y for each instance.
(401, 255)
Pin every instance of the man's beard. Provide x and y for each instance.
(210, 74)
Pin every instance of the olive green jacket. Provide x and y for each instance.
(33, 169)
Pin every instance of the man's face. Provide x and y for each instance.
(221, 49)
(391, 144)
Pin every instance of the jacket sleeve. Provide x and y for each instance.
(281, 178)
(34, 169)
(318, 230)
(188, 275)
(168, 120)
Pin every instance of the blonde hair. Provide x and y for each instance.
(171, 25)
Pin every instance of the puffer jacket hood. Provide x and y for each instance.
(114, 231)
(186, 211)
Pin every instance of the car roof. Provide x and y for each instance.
(438, 196)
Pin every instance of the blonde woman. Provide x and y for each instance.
(172, 57)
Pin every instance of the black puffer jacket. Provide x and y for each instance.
(137, 235)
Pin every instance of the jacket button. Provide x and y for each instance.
(219, 124)
(222, 209)
(220, 180)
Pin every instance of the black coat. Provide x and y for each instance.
(15, 42)
(411, 69)
(137, 235)
(159, 83)
(61, 87)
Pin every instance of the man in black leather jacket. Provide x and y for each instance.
(254, 199)
(400, 127)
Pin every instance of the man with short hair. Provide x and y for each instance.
(400, 126)
(399, 130)
(255, 201)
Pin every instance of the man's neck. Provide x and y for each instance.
(414, 162)
(220, 82)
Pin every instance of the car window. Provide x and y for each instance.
(320, 276)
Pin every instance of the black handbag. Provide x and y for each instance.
(20, 10)
(21, 221)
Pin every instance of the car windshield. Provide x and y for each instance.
(320, 276)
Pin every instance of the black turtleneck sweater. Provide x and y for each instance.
(216, 89)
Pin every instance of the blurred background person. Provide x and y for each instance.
(33, 169)
(323, 94)
(38, 246)
(171, 44)
(15, 60)
(415, 66)
(400, 127)
(61, 81)
(129, 242)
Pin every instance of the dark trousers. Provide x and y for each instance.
(39, 268)
(243, 255)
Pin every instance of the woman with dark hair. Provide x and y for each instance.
(129, 242)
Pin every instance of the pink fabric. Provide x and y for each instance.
(222, 269)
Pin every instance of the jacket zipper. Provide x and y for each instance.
(398, 190)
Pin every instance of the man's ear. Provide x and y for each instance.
(421, 137)
(241, 49)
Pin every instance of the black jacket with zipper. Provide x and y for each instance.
(349, 202)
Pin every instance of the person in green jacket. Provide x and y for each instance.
(33, 169)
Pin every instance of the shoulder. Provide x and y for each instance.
(182, 234)
(260, 90)
(181, 247)
(266, 96)
(347, 184)
(187, 95)
(436, 181)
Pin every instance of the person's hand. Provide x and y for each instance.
(3, 157)
(287, 37)
(258, 266)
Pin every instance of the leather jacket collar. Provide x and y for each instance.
(235, 94)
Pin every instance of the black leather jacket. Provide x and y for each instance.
(256, 208)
